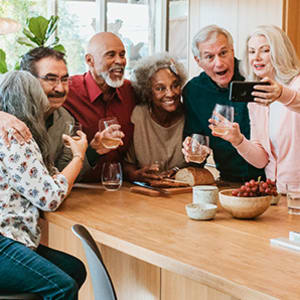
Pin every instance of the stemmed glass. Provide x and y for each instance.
(111, 176)
(71, 129)
(105, 123)
(223, 116)
(198, 148)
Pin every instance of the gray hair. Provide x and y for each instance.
(22, 96)
(283, 55)
(146, 67)
(208, 33)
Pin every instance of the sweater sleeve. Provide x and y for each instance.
(290, 95)
(253, 151)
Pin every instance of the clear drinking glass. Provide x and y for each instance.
(198, 148)
(223, 115)
(104, 124)
(71, 129)
(111, 176)
(293, 198)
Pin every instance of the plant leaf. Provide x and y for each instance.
(24, 41)
(30, 36)
(3, 65)
(52, 26)
(60, 48)
(38, 26)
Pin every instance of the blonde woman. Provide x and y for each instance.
(275, 120)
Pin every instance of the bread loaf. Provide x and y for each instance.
(195, 176)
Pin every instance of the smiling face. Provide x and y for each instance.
(166, 90)
(259, 56)
(53, 75)
(106, 59)
(217, 60)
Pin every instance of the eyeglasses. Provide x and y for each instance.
(54, 80)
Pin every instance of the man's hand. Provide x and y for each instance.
(22, 133)
(111, 133)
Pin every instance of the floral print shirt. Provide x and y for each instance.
(25, 187)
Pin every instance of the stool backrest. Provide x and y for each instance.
(102, 283)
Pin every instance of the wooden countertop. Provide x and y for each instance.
(231, 255)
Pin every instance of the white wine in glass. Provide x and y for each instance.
(71, 129)
(223, 115)
(109, 143)
(199, 148)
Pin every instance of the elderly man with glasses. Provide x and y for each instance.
(49, 66)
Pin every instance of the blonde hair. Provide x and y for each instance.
(283, 55)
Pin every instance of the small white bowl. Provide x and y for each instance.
(201, 211)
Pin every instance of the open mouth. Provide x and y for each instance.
(168, 102)
(117, 71)
(259, 66)
(221, 73)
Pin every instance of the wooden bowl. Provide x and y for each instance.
(244, 207)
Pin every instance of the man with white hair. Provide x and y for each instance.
(213, 51)
(103, 92)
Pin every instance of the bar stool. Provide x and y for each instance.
(20, 296)
(102, 283)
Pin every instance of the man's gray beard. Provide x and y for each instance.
(112, 83)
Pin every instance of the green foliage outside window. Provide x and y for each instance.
(38, 33)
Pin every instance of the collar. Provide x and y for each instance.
(94, 91)
(49, 121)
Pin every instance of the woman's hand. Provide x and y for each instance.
(266, 94)
(201, 153)
(78, 146)
(233, 133)
(147, 173)
(22, 133)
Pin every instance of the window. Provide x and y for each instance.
(178, 30)
(142, 25)
(18, 10)
(77, 25)
(133, 22)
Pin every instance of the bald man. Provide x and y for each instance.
(103, 92)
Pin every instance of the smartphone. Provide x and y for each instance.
(240, 91)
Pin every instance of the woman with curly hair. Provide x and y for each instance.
(158, 118)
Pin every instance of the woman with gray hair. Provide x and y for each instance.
(30, 183)
(275, 120)
(158, 119)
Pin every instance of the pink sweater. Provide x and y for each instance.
(286, 167)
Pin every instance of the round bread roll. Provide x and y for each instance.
(195, 176)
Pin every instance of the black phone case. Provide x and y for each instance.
(240, 91)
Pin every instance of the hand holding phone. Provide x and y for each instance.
(241, 91)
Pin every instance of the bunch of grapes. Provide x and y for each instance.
(256, 188)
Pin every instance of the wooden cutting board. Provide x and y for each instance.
(172, 191)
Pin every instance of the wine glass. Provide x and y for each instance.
(111, 176)
(71, 129)
(198, 148)
(223, 116)
(109, 143)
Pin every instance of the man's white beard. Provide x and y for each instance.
(112, 83)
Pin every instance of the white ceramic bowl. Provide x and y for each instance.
(201, 211)
(244, 207)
